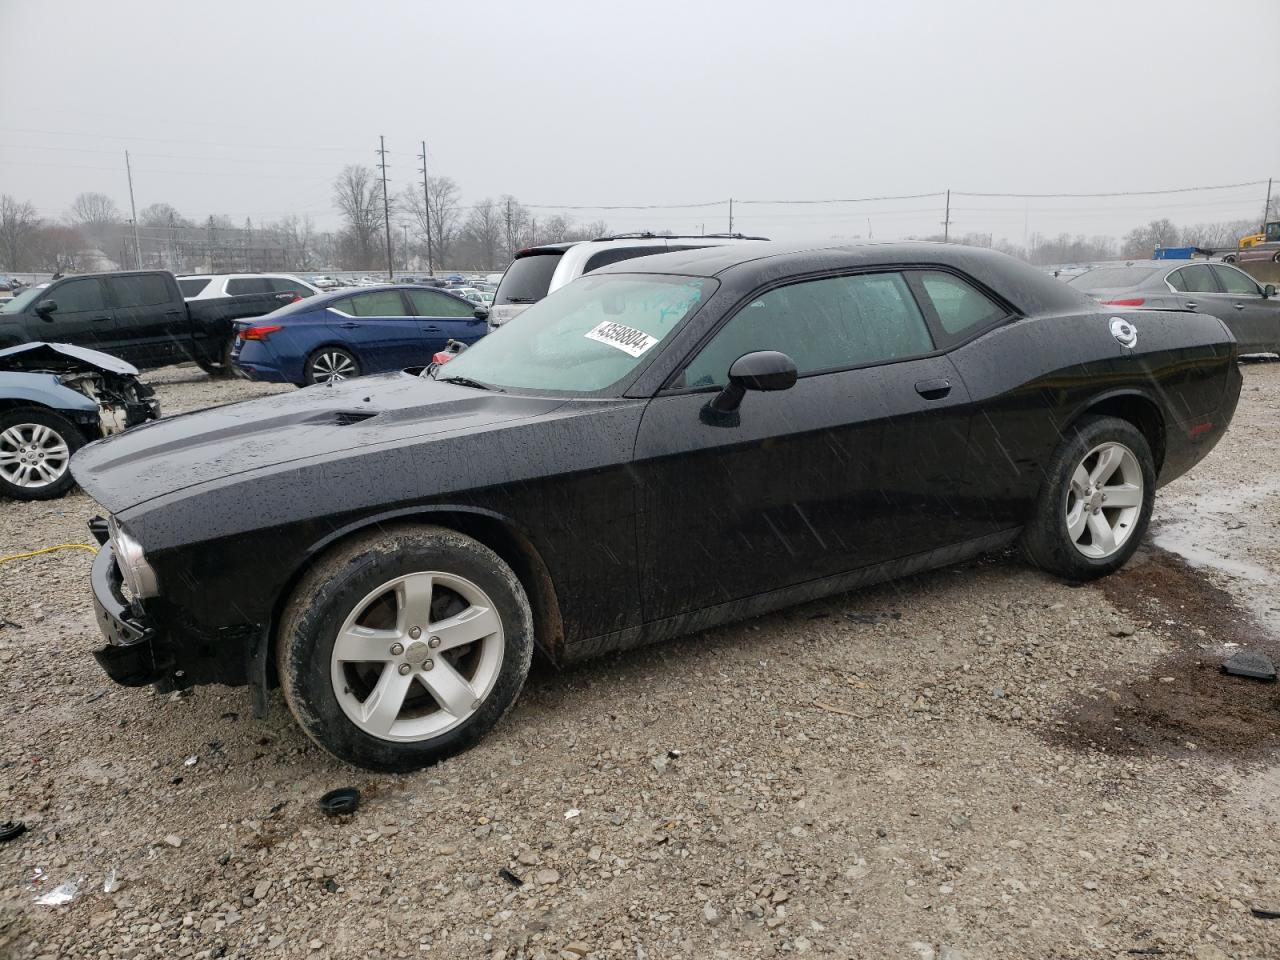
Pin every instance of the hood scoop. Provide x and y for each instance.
(340, 418)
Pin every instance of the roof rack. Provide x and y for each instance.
(650, 235)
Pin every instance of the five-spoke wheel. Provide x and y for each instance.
(1095, 501)
(417, 656)
(402, 646)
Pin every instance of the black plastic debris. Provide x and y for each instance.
(510, 877)
(337, 802)
(1263, 913)
(11, 830)
(1250, 664)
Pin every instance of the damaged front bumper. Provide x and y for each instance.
(129, 655)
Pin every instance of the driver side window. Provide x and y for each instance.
(828, 324)
(77, 296)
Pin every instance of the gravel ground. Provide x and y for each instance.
(981, 762)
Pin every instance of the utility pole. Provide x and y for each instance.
(946, 223)
(731, 214)
(1266, 210)
(386, 206)
(404, 224)
(133, 209)
(426, 204)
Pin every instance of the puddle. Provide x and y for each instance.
(1184, 705)
(1214, 529)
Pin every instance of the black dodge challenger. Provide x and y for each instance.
(658, 447)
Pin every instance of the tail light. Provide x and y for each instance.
(1126, 302)
(442, 356)
(260, 333)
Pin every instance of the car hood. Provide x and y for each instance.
(184, 451)
(39, 355)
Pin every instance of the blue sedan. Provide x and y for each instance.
(341, 335)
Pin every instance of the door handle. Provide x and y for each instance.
(1238, 306)
(348, 326)
(173, 313)
(431, 329)
(1190, 304)
(933, 389)
(99, 319)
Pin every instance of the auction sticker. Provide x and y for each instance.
(627, 339)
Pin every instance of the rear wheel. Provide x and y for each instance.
(219, 366)
(1096, 501)
(35, 453)
(331, 364)
(404, 647)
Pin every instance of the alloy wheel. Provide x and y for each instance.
(417, 656)
(332, 366)
(33, 455)
(1104, 500)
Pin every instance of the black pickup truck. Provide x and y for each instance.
(138, 316)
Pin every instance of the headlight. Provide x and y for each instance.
(138, 575)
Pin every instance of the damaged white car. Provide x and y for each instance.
(55, 398)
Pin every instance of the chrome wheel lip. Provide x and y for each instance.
(332, 366)
(1104, 499)
(411, 655)
(33, 456)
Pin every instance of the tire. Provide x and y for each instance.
(47, 436)
(219, 367)
(375, 583)
(331, 365)
(1063, 507)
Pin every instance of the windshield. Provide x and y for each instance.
(528, 278)
(1112, 278)
(19, 303)
(585, 337)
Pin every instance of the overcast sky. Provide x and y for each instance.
(250, 109)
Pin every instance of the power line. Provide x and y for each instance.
(1114, 193)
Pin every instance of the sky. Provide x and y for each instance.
(251, 109)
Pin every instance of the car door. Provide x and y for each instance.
(152, 324)
(1258, 317)
(802, 486)
(443, 318)
(379, 327)
(84, 316)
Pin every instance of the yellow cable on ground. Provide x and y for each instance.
(62, 546)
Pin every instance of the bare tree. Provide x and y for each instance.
(1142, 241)
(515, 224)
(446, 216)
(57, 249)
(357, 194)
(483, 233)
(18, 221)
(162, 215)
(93, 210)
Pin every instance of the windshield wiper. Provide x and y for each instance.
(521, 299)
(466, 382)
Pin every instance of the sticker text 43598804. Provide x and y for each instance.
(627, 339)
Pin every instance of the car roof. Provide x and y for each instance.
(1022, 285)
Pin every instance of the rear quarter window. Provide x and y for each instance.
(960, 306)
(192, 288)
(606, 257)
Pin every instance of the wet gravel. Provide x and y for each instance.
(926, 769)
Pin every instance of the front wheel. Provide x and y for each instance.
(35, 453)
(404, 647)
(1096, 500)
(330, 365)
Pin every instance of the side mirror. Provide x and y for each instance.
(481, 313)
(46, 307)
(1268, 291)
(762, 370)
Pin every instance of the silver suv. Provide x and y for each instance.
(536, 271)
